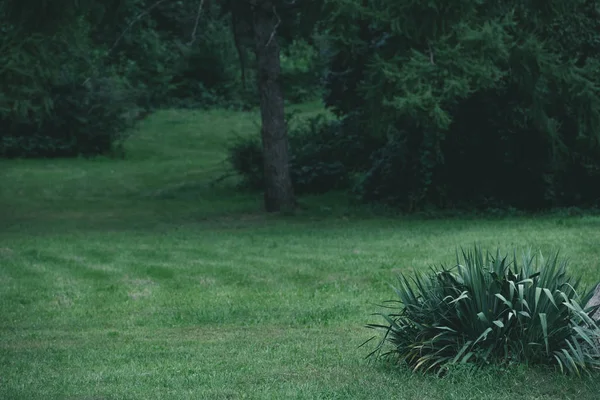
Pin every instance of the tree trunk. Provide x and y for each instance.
(279, 194)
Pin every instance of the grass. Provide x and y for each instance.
(138, 279)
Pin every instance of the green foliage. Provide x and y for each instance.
(300, 69)
(169, 60)
(75, 71)
(43, 15)
(473, 98)
(74, 88)
(59, 100)
(89, 119)
(246, 159)
(185, 65)
(489, 309)
(323, 156)
(316, 163)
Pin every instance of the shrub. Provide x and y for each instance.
(59, 101)
(324, 153)
(84, 119)
(246, 159)
(316, 163)
(489, 309)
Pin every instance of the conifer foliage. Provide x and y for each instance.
(483, 102)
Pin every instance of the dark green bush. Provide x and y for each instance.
(85, 119)
(317, 162)
(492, 309)
(324, 154)
(246, 159)
(58, 100)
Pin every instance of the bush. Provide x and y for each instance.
(246, 159)
(87, 120)
(488, 309)
(324, 154)
(59, 101)
(316, 163)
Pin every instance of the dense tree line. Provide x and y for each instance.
(477, 103)
(151, 53)
(470, 103)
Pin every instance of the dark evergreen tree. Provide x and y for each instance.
(483, 102)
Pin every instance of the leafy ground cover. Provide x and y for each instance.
(139, 278)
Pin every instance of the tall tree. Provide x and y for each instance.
(279, 193)
(265, 23)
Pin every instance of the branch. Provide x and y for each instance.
(431, 55)
(193, 39)
(136, 19)
(275, 28)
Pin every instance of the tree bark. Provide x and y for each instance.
(279, 193)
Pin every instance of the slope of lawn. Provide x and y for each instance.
(141, 279)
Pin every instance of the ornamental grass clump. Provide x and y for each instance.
(492, 309)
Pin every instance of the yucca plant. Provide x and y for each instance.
(492, 309)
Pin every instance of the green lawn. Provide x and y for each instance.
(138, 279)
